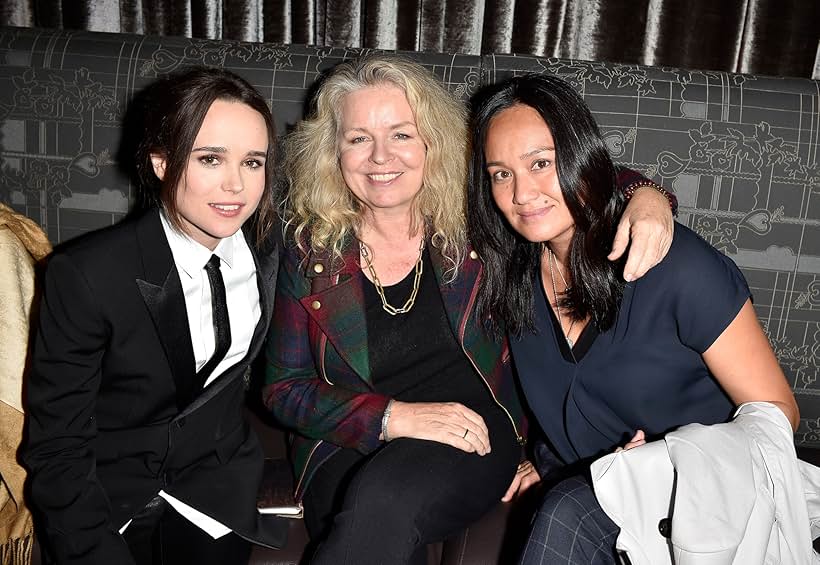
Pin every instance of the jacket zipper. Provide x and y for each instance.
(322, 349)
(323, 346)
(461, 331)
(305, 468)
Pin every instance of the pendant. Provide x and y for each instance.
(571, 343)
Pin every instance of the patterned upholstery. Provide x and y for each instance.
(740, 152)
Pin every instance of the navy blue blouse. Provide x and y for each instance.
(645, 372)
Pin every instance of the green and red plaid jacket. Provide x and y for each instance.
(318, 373)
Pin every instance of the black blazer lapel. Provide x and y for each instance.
(267, 266)
(162, 292)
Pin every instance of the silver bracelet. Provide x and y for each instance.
(385, 418)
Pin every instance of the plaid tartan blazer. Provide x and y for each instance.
(318, 381)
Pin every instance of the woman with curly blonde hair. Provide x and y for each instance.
(321, 204)
(406, 424)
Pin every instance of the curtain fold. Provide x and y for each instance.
(777, 37)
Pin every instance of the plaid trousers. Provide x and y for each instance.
(570, 527)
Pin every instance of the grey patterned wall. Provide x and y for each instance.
(63, 95)
(740, 152)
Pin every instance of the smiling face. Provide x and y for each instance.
(225, 175)
(381, 154)
(520, 156)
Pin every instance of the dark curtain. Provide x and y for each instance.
(776, 37)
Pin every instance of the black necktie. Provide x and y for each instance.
(222, 325)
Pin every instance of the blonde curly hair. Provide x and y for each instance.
(319, 207)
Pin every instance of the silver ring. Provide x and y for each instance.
(466, 431)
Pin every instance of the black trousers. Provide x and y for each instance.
(384, 508)
(159, 535)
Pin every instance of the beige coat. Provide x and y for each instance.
(22, 244)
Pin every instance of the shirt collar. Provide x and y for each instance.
(190, 256)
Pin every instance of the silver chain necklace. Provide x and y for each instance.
(555, 294)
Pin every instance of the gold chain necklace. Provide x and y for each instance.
(555, 294)
(389, 308)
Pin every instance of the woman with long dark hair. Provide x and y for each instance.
(602, 362)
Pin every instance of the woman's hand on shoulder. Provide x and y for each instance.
(525, 477)
(445, 422)
(648, 223)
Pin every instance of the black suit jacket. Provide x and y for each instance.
(109, 419)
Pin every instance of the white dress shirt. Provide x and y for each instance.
(242, 296)
(241, 292)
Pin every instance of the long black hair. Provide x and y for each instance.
(587, 178)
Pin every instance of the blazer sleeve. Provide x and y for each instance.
(62, 392)
(297, 395)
